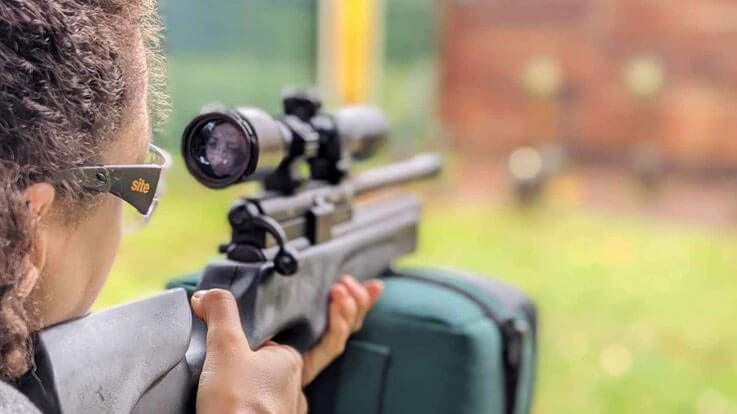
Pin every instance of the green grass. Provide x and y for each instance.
(636, 315)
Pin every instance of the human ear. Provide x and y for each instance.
(40, 197)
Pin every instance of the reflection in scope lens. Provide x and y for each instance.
(225, 148)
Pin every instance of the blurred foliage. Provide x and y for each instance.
(246, 52)
(411, 31)
(253, 29)
(236, 53)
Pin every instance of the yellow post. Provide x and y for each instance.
(350, 48)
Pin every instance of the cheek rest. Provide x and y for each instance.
(106, 361)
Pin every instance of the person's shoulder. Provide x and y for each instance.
(13, 402)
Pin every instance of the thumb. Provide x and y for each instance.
(219, 310)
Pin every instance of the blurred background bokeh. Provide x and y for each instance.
(592, 161)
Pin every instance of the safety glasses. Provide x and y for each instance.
(139, 185)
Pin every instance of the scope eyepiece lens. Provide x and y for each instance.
(225, 148)
(217, 150)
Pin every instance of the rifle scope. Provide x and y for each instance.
(229, 146)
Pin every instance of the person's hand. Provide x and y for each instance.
(236, 379)
(350, 300)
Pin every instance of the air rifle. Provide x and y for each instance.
(288, 246)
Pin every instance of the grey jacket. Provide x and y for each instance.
(13, 402)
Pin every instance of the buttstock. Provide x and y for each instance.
(125, 359)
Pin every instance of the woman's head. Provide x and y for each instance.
(74, 82)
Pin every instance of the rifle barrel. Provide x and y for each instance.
(283, 208)
(420, 166)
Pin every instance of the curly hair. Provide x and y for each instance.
(67, 74)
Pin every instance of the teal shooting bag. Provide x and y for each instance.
(437, 341)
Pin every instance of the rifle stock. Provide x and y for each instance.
(107, 361)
